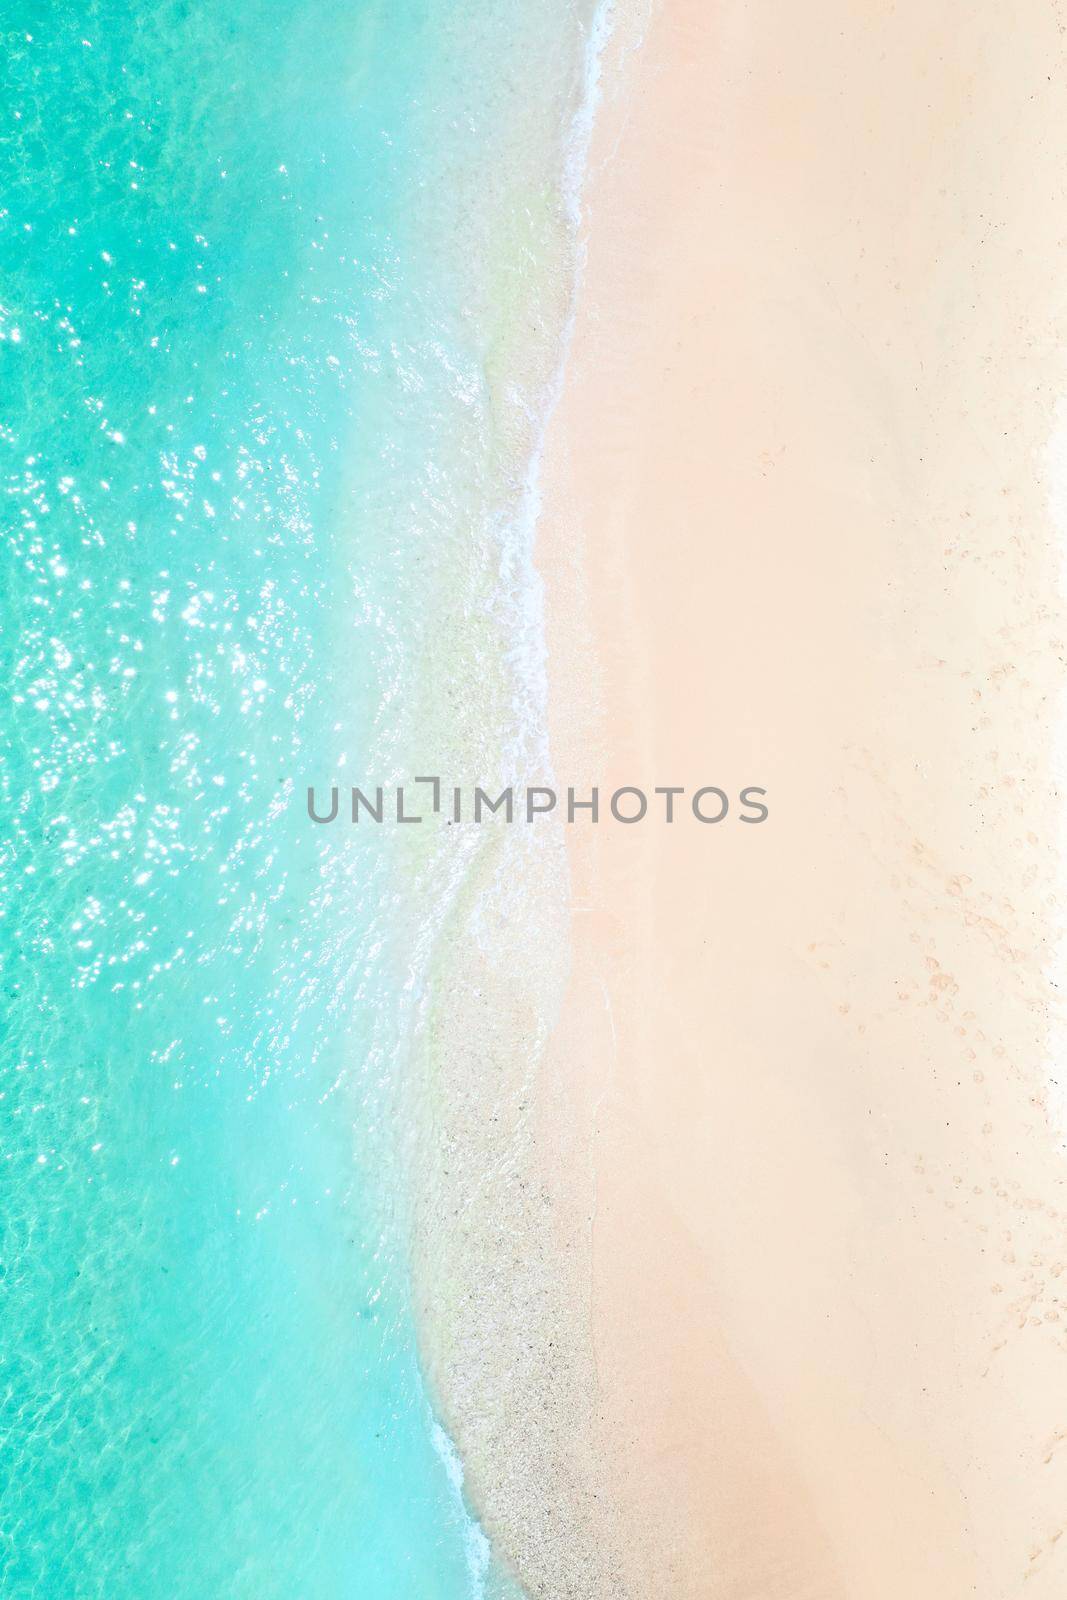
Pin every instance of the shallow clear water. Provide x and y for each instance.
(268, 277)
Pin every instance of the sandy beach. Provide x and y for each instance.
(797, 535)
(410, 410)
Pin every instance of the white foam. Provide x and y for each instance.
(529, 653)
(475, 1542)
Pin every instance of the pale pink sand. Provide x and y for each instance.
(796, 535)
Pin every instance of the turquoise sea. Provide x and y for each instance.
(282, 289)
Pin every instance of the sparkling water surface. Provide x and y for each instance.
(258, 271)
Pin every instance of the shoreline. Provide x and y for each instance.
(795, 1101)
(499, 1293)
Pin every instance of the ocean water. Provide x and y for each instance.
(282, 289)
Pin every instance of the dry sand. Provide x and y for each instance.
(796, 535)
